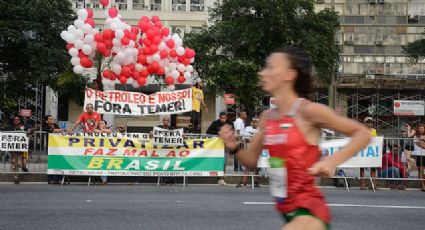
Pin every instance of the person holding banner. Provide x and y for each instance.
(103, 128)
(291, 134)
(23, 156)
(90, 120)
(197, 101)
(50, 126)
(369, 124)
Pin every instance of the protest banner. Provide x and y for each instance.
(133, 155)
(168, 137)
(14, 141)
(138, 104)
(371, 156)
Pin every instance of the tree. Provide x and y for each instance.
(31, 50)
(244, 32)
(416, 50)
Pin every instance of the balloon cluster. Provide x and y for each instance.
(131, 54)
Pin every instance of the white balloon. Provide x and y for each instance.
(135, 51)
(171, 87)
(94, 31)
(181, 67)
(82, 14)
(79, 34)
(172, 66)
(105, 82)
(116, 42)
(138, 67)
(116, 21)
(192, 60)
(144, 36)
(87, 28)
(128, 60)
(73, 52)
(180, 51)
(114, 26)
(162, 46)
(131, 44)
(120, 56)
(116, 69)
(175, 73)
(78, 44)
(87, 49)
(64, 34)
(78, 69)
(135, 84)
(88, 39)
(111, 85)
(70, 38)
(75, 61)
(166, 62)
(108, 21)
(156, 57)
(79, 23)
(119, 34)
(116, 49)
(187, 75)
(149, 60)
(128, 52)
(71, 28)
(166, 70)
(189, 68)
(92, 54)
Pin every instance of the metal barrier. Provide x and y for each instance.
(400, 164)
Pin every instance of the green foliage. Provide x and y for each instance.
(416, 50)
(71, 86)
(245, 32)
(31, 49)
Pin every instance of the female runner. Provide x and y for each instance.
(291, 134)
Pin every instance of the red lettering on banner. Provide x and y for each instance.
(154, 154)
(111, 152)
(98, 152)
(171, 154)
(143, 153)
(184, 153)
(152, 99)
(131, 153)
(88, 151)
(89, 93)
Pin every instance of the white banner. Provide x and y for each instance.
(168, 137)
(409, 108)
(138, 104)
(13, 141)
(371, 156)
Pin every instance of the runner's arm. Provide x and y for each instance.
(323, 117)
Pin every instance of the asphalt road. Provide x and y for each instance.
(35, 206)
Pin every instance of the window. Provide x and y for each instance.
(351, 9)
(156, 5)
(178, 5)
(196, 29)
(138, 4)
(121, 4)
(197, 5)
(364, 49)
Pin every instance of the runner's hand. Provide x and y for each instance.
(323, 168)
(227, 134)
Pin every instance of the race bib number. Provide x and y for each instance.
(278, 178)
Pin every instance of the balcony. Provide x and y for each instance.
(138, 6)
(197, 7)
(178, 7)
(156, 7)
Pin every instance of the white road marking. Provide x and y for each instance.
(348, 205)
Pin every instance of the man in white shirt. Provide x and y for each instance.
(240, 131)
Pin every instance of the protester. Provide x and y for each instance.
(250, 131)
(103, 128)
(90, 120)
(50, 126)
(419, 153)
(239, 125)
(392, 167)
(369, 124)
(410, 130)
(213, 129)
(197, 100)
(166, 125)
(16, 156)
(291, 134)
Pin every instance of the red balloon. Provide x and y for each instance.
(190, 53)
(101, 47)
(186, 61)
(147, 51)
(153, 68)
(81, 54)
(170, 43)
(144, 73)
(86, 62)
(141, 81)
(107, 73)
(160, 71)
(169, 80)
(89, 21)
(107, 34)
(136, 75)
(163, 54)
(158, 25)
(153, 48)
(181, 79)
(125, 41)
(108, 43)
(98, 37)
(89, 12)
(125, 71)
(156, 40)
(156, 31)
(165, 31)
(113, 76)
(107, 53)
(134, 30)
(127, 33)
(113, 12)
(144, 19)
(147, 42)
(123, 80)
(133, 36)
(142, 59)
(150, 34)
(69, 46)
(173, 53)
(155, 19)
(180, 59)
(104, 2)
(131, 66)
